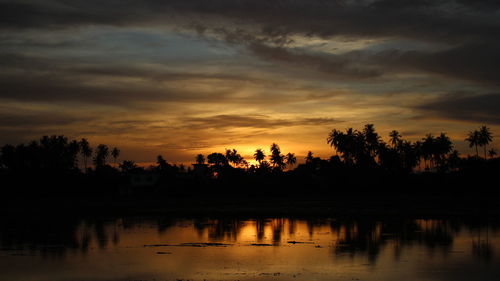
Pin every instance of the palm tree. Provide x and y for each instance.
(371, 139)
(410, 154)
(290, 159)
(395, 138)
(234, 157)
(259, 155)
(485, 138)
(309, 157)
(427, 149)
(277, 159)
(73, 150)
(334, 139)
(347, 144)
(474, 139)
(218, 160)
(442, 146)
(454, 159)
(115, 153)
(128, 166)
(492, 152)
(86, 151)
(200, 159)
(162, 163)
(101, 153)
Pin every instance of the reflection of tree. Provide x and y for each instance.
(481, 245)
(260, 227)
(277, 227)
(55, 237)
(354, 237)
(435, 235)
(368, 237)
(165, 223)
(292, 226)
(312, 224)
(358, 237)
(224, 229)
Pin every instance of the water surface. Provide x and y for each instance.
(248, 249)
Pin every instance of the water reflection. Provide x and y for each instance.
(329, 242)
(482, 246)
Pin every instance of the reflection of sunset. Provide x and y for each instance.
(263, 249)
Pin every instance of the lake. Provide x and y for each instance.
(113, 249)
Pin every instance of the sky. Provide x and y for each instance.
(182, 77)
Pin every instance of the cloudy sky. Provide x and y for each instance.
(181, 77)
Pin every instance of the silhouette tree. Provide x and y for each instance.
(217, 159)
(395, 138)
(348, 144)
(442, 146)
(355, 147)
(200, 159)
(101, 154)
(259, 155)
(162, 163)
(244, 163)
(86, 151)
(371, 139)
(56, 153)
(51, 154)
(290, 159)
(309, 158)
(128, 166)
(409, 154)
(276, 158)
(8, 157)
(427, 148)
(264, 167)
(74, 149)
(182, 168)
(115, 153)
(474, 139)
(454, 160)
(234, 157)
(485, 137)
(338, 141)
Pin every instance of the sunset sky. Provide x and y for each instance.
(182, 77)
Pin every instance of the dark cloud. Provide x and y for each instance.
(487, 6)
(63, 88)
(265, 27)
(439, 20)
(472, 62)
(27, 120)
(341, 67)
(42, 79)
(50, 88)
(20, 125)
(251, 121)
(31, 78)
(482, 109)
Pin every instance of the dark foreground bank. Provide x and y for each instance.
(285, 206)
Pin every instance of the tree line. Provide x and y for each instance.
(56, 153)
(365, 148)
(356, 149)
